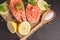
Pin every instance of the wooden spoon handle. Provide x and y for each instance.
(32, 31)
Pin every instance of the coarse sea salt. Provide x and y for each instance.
(49, 16)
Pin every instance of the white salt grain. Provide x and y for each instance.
(49, 16)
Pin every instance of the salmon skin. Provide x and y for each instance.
(18, 14)
(33, 12)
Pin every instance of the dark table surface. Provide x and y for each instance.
(50, 31)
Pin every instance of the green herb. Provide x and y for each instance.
(32, 2)
(18, 6)
(46, 6)
(2, 8)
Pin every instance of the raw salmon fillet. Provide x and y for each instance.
(18, 14)
(33, 12)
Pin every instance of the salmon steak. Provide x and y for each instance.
(18, 10)
(33, 12)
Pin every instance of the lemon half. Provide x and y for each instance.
(5, 7)
(24, 28)
(12, 26)
(41, 4)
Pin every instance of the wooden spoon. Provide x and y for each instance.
(48, 16)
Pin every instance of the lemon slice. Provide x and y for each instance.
(24, 28)
(42, 5)
(4, 8)
(12, 26)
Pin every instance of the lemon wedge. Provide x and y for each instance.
(43, 5)
(12, 26)
(24, 28)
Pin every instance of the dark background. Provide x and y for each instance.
(50, 31)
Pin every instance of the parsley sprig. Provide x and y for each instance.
(18, 6)
(46, 6)
(32, 2)
(2, 8)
